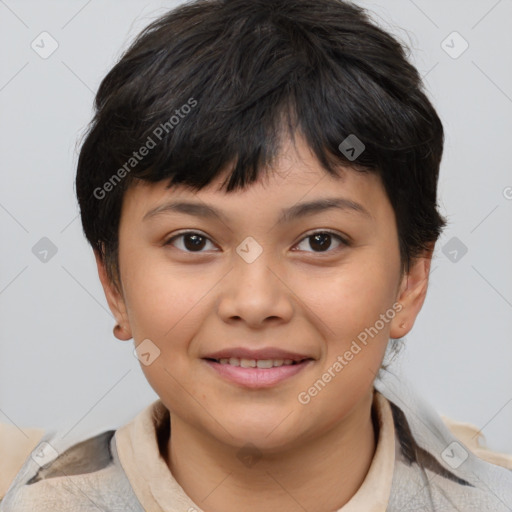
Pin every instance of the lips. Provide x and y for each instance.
(257, 368)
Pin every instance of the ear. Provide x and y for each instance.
(115, 301)
(411, 294)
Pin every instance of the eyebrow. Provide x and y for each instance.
(287, 215)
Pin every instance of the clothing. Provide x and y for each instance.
(15, 446)
(416, 467)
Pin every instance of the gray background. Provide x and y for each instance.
(61, 367)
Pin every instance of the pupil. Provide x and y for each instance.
(321, 240)
(197, 242)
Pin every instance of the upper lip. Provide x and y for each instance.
(263, 353)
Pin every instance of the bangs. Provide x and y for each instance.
(216, 87)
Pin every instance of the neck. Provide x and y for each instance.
(321, 474)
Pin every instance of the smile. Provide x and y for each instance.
(257, 373)
(256, 363)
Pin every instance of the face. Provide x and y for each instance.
(308, 294)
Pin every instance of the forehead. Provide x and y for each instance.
(295, 176)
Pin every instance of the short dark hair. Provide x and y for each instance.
(218, 83)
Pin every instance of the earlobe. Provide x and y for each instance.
(115, 302)
(121, 333)
(411, 295)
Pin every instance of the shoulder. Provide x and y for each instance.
(436, 470)
(15, 447)
(473, 438)
(82, 476)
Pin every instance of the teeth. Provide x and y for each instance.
(255, 363)
(264, 363)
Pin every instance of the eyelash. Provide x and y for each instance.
(342, 240)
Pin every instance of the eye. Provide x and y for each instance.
(321, 241)
(192, 241)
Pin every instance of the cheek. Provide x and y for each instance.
(164, 306)
(161, 298)
(349, 308)
(352, 297)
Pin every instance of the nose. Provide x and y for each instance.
(255, 293)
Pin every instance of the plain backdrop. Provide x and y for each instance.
(61, 367)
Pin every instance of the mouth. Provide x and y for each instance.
(258, 363)
(253, 372)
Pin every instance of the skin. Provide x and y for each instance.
(294, 296)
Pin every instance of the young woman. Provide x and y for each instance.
(259, 188)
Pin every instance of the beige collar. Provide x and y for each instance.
(158, 491)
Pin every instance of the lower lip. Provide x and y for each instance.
(258, 377)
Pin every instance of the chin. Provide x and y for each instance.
(270, 433)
